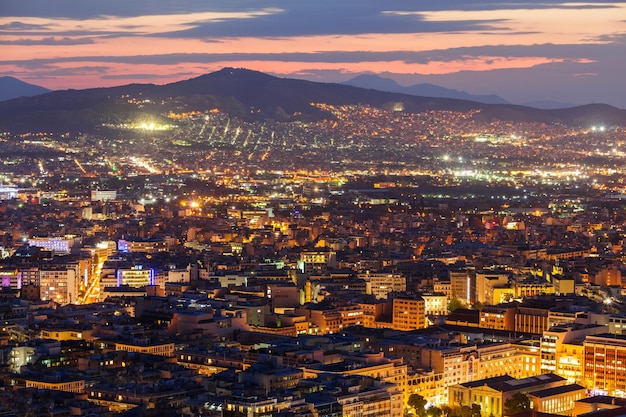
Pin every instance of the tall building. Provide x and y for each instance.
(59, 284)
(562, 350)
(605, 364)
(463, 286)
(409, 312)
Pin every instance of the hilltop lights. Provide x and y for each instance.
(147, 126)
(151, 126)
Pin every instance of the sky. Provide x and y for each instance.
(523, 51)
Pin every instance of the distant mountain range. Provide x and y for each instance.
(11, 87)
(425, 90)
(255, 96)
(431, 90)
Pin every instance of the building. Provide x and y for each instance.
(103, 195)
(435, 304)
(60, 284)
(605, 364)
(135, 244)
(408, 312)
(557, 400)
(498, 317)
(486, 282)
(531, 320)
(318, 261)
(382, 284)
(562, 350)
(463, 286)
(136, 276)
(492, 393)
(57, 244)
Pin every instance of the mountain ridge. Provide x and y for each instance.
(422, 89)
(256, 96)
(11, 87)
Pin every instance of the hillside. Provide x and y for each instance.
(253, 96)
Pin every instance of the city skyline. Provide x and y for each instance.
(572, 52)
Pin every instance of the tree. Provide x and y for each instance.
(455, 304)
(418, 403)
(446, 410)
(516, 404)
(434, 412)
(475, 410)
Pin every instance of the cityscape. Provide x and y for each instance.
(272, 210)
(200, 264)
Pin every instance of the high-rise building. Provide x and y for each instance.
(463, 286)
(605, 364)
(59, 284)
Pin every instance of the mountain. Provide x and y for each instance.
(11, 87)
(254, 96)
(549, 104)
(424, 89)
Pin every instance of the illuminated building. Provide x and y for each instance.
(459, 364)
(444, 287)
(605, 364)
(500, 317)
(333, 320)
(8, 193)
(531, 320)
(59, 284)
(563, 285)
(492, 393)
(531, 289)
(374, 312)
(428, 384)
(103, 195)
(501, 359)
(617, 324)
(435, 304)
(463, 286)
(65, 334)
(76, 386)
(318, 261)
(373, 365)
(381, 284)
(408, 312)
(62, 245)
(11, 278)
(485, 284)
(557, 400)
(136, 276)
(133, 245)
(159, 349)
(562, 350)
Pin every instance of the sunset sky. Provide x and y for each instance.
(571, 52)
